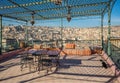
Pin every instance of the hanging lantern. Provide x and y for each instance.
(57, 2)
(32, 21)
(69, 15)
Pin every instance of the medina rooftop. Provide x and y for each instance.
(59, 41)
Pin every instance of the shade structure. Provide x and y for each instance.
(47, 9)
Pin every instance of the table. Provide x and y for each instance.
(48, 57)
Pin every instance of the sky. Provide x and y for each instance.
(116, 14)
(76, 22)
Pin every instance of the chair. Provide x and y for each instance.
(54, 56)
(47, 59)
(55, 60)
(45, 62)
(26, 61)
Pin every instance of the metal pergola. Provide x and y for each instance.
(47, 9)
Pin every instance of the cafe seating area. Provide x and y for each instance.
(69, 49)
(31, 53)
(32, 64)
(39, 57)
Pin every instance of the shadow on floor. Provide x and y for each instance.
(16, 76)
(7, 66)
(67, 63)
(73, 74)
(35, 78)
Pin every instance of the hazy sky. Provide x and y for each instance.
(76, 22)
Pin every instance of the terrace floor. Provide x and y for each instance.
(73, 69)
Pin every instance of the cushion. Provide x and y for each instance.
(28, 48)
(37, 46)
(70, 46)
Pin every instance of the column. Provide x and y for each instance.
(102, 41)
(109, 30)
(61, 32)
(0, 35)
(26, 35)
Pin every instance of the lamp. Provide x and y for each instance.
(68, 14)
(68, 17)
(32, 19)
(32, 22)
(57, 2)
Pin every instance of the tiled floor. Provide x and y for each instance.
(73, 69)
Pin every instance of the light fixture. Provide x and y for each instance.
(57, 2)
(68, 17)
(68, 14)
(32, 19)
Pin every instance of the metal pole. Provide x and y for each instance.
(0, 35)
(109, 30)
(26, 36)
(61, 31)
(102, 31)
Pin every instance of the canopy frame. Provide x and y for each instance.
(46, 9)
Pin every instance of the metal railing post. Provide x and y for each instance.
(102, 41)
(109, 30)
(0, 35)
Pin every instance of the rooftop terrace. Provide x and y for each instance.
(85, 69)
(76, 68)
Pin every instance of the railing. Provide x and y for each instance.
(10, 47)
(84, 42)
(59, 43)
(115, 51)
(53, 43)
